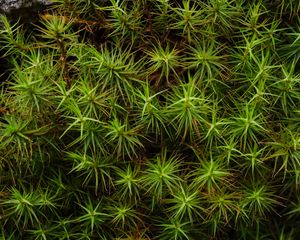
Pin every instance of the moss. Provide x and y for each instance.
(151, 119)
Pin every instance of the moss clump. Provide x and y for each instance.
(152, 119)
